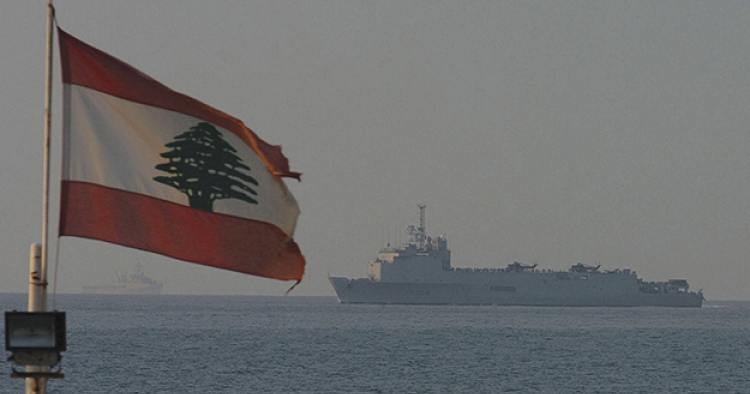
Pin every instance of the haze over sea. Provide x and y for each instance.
(211, 344)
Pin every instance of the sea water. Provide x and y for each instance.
(204, 344)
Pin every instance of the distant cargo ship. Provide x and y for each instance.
(136, 284)
(420, 272)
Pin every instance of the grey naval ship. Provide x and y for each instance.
(136, 284)
(420, 272)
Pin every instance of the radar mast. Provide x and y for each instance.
(418, 235)
(421, 228)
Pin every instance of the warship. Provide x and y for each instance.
(420, 272)
(136, 284)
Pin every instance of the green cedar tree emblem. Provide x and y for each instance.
(204, 166)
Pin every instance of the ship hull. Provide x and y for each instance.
(123, 290)
(367, 291)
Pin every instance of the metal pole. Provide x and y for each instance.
(38, 255)
(37, 288)
(47, 126)
(37, 303)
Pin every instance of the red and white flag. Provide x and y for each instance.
(152, 169)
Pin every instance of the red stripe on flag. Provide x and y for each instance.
(87, 66)
(146, 223)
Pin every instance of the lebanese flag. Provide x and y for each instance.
(152, 169)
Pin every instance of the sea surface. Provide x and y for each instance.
(206, 344)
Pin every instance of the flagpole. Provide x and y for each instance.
(38, 258)
(47, 127)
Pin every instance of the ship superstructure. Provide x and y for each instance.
(420, 272)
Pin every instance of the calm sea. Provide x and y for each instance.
(201, 344)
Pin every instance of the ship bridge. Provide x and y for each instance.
(415, 260)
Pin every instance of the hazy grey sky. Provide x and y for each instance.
(548, 132)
